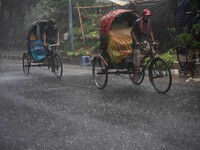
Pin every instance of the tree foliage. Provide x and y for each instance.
(15, 15)
(90, 21)
(12, 19)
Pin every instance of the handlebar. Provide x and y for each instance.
(53, 45)
(149, 49)
(152, 45)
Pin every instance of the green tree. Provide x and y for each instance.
(12, 19)
(59, 11)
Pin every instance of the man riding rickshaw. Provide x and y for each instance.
(141, 32)
(42, 40)
(126, 40)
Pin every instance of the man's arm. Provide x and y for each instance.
(134, 38)
(58, 38)
(152, 38)
(45, 42)
(134, 30)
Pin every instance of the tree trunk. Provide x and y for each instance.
(2, 12)
(12, 17)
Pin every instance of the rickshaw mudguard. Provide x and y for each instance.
(38, 50)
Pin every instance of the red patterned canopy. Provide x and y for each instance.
(107, 20)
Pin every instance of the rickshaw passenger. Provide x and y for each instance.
(141, 31)
(51, 36)
(33, 37)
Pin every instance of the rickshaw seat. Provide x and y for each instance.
(38, 50)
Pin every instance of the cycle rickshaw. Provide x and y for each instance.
(116, 53)
(39, 56)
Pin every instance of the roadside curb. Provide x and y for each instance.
(65, 60)
(73, 61)
(16, 57)
(69, 60)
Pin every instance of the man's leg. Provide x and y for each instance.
(53, 59)
(136, 62)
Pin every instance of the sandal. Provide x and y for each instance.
(135, 80)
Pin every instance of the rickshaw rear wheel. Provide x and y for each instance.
(100, 73)
(58, 66)
(26, 64)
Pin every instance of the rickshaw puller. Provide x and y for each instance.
(141, 31)
(51, 36)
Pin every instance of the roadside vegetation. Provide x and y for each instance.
(16, 17)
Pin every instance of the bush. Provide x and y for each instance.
(187, 39)
(169, 57)
(184, 39)
(78, 53)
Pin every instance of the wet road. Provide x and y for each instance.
(43, 112)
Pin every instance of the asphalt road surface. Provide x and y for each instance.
(41, 112)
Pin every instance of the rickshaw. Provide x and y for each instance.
(116, 53)
(37, 54)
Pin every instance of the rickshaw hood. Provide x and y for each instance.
(106, 21)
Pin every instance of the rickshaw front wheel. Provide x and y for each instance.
(26, 64)
(58, 66)
(160, 75)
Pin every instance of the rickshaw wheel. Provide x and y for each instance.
(140, 75)
(160, 75)
(26, 64)
(58, 66)
(100, 73)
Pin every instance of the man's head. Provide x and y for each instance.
(146, 15)
(52, 22)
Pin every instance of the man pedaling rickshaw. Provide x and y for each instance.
(51, 36)
(141, 32)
